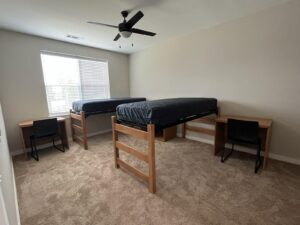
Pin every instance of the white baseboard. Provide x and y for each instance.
(247, 150)
(284, 159)
(21, 151)
(271, 155)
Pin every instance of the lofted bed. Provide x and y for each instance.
(143, 120)
(83, 109)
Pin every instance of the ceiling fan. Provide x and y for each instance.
(126, 27)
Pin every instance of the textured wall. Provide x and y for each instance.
(252, 65)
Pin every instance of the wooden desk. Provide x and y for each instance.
(265, 126)
(26, 131)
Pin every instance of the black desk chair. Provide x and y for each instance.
(243, 132)
(42, 129)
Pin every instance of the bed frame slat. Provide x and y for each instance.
(200, 129)
(131, 151)
(211, 121)
(78, 128)
(131, 131)
(79, 139)
(75, 116)
(203, 130)
(133, 170)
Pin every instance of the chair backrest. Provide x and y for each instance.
(243, 131)
(44, 128)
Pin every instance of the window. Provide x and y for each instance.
(68, 79)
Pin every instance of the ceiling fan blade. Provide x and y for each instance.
(117, 37)
(135, 19)
(144, 32)
(102, 24)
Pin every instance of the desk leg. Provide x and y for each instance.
(23, 144)
(267, 148)
(219, 137)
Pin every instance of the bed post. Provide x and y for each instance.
(84, 133)
(148, 157)
(115, 139)
(72, 128)
(151, 157)
(183, 130)
(78, 127)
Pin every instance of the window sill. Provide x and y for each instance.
(65, 115)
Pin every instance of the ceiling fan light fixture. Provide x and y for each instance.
(126, 34)
(126, 28)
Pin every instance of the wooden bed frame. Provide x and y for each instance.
(79, 131)
(78, 127)
(149, 157)
(207, 131)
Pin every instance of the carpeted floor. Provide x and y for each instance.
(83, 188)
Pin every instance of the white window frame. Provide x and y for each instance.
(73, 57)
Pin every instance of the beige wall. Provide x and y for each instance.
(22, 91)
(252, 65)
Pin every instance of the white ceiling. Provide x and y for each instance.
(168, 18)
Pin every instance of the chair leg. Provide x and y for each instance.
(31, 145)
(224, 157)
(63, 147)
(34, 152)
(258, 159)
(62, 144)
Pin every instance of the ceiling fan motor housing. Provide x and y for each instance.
(124, 29)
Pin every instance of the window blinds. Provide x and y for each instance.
(68, 79)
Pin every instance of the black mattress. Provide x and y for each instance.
(165, 112)
(97, 106)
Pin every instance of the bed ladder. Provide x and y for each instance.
(148, 157)
(78, 127)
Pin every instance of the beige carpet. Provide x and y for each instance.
(83, 188)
